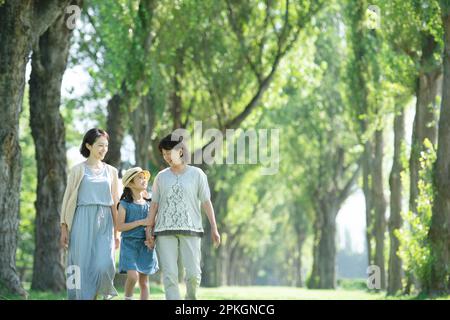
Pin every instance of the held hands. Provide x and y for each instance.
(150, 238)
(150, 242)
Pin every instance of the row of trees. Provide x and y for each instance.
(318, 70)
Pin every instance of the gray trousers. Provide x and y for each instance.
(172, 247)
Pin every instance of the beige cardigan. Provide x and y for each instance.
(69, 203)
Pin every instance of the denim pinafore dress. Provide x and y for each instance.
(134, 254)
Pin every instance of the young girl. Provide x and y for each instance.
(135, 259)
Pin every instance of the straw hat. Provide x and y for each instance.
(133, 172)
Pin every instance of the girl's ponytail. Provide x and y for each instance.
(127, 195)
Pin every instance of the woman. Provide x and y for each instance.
(88, 220)
(179, 192)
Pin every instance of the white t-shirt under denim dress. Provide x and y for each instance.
(179, 198)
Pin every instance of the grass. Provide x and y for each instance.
(346, 291)
(283, 293)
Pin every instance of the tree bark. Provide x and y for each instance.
(20, 23)
(439, 233)
(143, 120)
(425, 122)
(328, 197)
(14, 36)
(301, 237)
(395, 219)
(323, 274)
(359, 81)
(232, 245)
(115, 124)
(213, 259)
(224, 262)
(49, 62)
(367, 178)
(211, 276)
(379, 203)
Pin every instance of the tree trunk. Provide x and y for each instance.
(323, 274)
(231, 243)
(301, 237)
(115, 125)
(211, 276)
(143, 118)
(14, 49)
(395, 219)
(233, 264)
(439, 233)
(367, 178)
(359, 81)
(379, 203)
(20, 23)
(49, 62)
(176, 94)
(230, 273)
(224, 262)
(425, 122)
(211, 272)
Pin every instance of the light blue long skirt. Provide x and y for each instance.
(90, 259)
